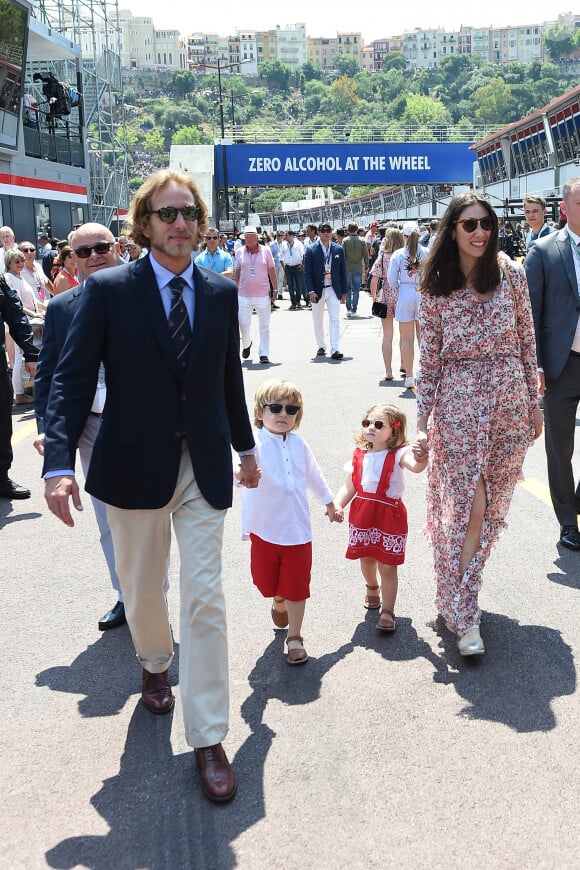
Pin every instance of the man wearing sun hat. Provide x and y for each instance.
(255, 272)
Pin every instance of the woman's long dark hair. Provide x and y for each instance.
(441, 270)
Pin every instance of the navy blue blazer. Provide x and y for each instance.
(314, 268)
(57, 321)
(150, 407)
(555, 298)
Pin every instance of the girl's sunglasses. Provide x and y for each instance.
(378, 424)
(470, 224)
(276, 408)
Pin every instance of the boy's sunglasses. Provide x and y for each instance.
(470, 224)
(276, 408)
(378, 424)
(168, 214)
(84, 252)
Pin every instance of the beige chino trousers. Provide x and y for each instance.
(141, 540)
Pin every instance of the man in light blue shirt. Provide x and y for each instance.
(215, 258)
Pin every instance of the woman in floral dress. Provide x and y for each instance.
(478, 390)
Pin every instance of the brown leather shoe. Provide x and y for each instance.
(217, 777)
(156, 692)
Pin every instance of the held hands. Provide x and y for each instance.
(31, 369)
(248, 474)
(420, 447)
(541, 384)
(334, 513)
(57, 491)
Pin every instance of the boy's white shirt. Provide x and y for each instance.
(277, 510)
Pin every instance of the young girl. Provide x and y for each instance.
(275, 516)
(377, 532)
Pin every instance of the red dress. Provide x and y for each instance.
(377, 527)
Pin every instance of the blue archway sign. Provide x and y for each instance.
(344, 164)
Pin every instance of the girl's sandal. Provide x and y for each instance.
(386, 620)
(372, 602)
(297, 655)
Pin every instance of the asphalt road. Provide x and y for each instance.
(382, 751)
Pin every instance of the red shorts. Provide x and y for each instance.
(281, 569)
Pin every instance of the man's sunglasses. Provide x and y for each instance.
(378, 424)
(211, 238)
(28, 250)
(168, 214)
(85, 251)
(277, 408)
(470, 224)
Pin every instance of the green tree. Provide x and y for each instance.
(394, 61)
(559, 40)
(155, 141)
(311, 71)
(346, 64)
(494, 102)
(421, 111)
(315, 93)
(276, 74)
(187, 136)
(183, 81)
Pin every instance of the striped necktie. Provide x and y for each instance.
(179, 326)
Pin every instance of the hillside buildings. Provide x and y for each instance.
(142, 45)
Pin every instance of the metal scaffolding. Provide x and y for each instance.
(94, 26)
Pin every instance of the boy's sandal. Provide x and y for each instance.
(297, 655)
(386, 620)
(279, 617)
(372, 602)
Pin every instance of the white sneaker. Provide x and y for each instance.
(470, 643)
(409, 382)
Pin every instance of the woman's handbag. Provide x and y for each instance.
(379, 309)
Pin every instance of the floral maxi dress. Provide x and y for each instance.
(478, 382)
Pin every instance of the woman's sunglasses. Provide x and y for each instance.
(378, 424)
(276, 408)
(470, 224)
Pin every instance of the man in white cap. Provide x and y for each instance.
(255, 274)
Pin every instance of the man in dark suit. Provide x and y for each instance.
(94, 246)
(553, 270)
(167, 332)
(325, 275)
(12, 314)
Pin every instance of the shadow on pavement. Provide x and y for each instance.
(104, 674)
(523, 669)
(157, 814)
(6, 508)
(272, 677)
(402, 645)
(569, 567)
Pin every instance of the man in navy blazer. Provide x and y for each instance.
(59, 316)
(167, 333)
(325, 276)
(553, 270)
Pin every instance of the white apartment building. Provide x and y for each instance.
(248, 52)
(291, 45)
